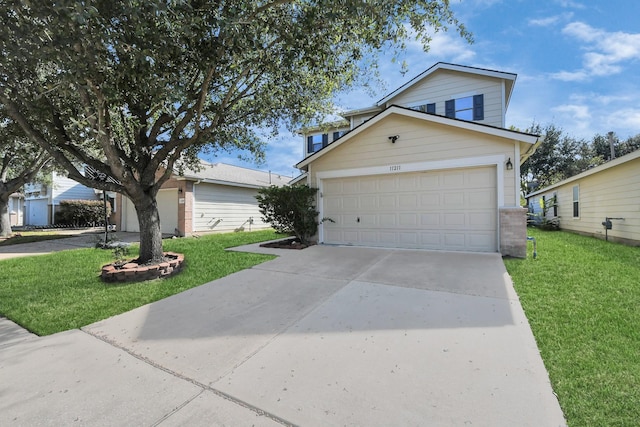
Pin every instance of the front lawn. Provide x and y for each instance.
(61, 291)
(582, 298)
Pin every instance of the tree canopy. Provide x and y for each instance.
(138, 88)
(561, 156)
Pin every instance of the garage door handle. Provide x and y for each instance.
(358, 220)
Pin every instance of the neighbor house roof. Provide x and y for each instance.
(509, 79)
(526, 139)
(224, 174)
(610, 164)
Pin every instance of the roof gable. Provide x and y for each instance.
(523, 138)
(509, 79)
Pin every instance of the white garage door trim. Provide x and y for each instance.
(495, 160)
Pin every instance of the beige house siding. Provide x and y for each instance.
(445, 85)
(613, 192)
(418, 142)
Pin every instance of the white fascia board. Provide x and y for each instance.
(219, 182)
(610, 164)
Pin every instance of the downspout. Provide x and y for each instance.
(193, 205)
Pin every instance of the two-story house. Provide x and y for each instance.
(431, 165)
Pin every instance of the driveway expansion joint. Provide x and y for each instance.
(203, 387)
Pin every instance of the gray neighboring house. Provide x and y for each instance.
(217, 198)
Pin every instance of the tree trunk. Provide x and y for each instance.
(150, 231)
(5, 220)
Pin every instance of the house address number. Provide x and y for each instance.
(394, 168)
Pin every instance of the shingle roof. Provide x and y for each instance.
(223, 173)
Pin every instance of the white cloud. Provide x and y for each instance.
(606, 53)
(570, 4)
(577, 112)
(627, 119)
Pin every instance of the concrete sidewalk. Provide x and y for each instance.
(320, 337)
(78, 239)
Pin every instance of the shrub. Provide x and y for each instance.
(81, 212)
(290, 210)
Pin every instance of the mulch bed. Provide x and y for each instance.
(286, 244)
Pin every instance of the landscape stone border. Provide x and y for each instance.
(132, 272)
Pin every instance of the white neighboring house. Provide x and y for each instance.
(42, 201)
(218, 198)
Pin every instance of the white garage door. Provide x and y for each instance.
(37, 212)
(443, 210)
(167, 206)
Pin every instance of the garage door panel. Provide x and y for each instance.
(454, 219)
(430, 200)
(453, 180)
(368, 202)
(387, 184)
(480, 220)
(408, 201)
(387, 202)
(408, 220)
(387, 220)
(449, 210)
(454, 200)
(429, 182)
(429, 219)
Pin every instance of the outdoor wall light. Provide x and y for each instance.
(179, 190)
(394, 138)
(509, 165)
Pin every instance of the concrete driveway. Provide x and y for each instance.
(320, 337)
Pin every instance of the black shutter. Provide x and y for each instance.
(310, 144)
(336, 135)
(450, 108)
(325, 140)
(431, 108)
(478, 107)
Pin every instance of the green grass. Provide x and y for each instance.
(61, 291)
(582, 298)
(32, 236)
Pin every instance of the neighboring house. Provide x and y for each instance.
(429, 166)
(16, 209)
(42, 201)
(217, 198)
(585, 201)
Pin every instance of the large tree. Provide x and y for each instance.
(20, 162)
(135, 88)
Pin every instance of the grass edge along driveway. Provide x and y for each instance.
(60, 291)
(582, 299)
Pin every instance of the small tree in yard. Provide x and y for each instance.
(290, 210)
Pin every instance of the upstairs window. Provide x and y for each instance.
(425, 108)
(316, 142)
(467, 108)
(338, 134)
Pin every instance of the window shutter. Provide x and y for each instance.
(336, 135)
(478, 107)
(325, 139)
(310, 144)
(450, 108)
(431, 108)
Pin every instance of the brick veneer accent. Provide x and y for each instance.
(513, 232)
(132, 272)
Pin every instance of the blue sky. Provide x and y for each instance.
(577, 61)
